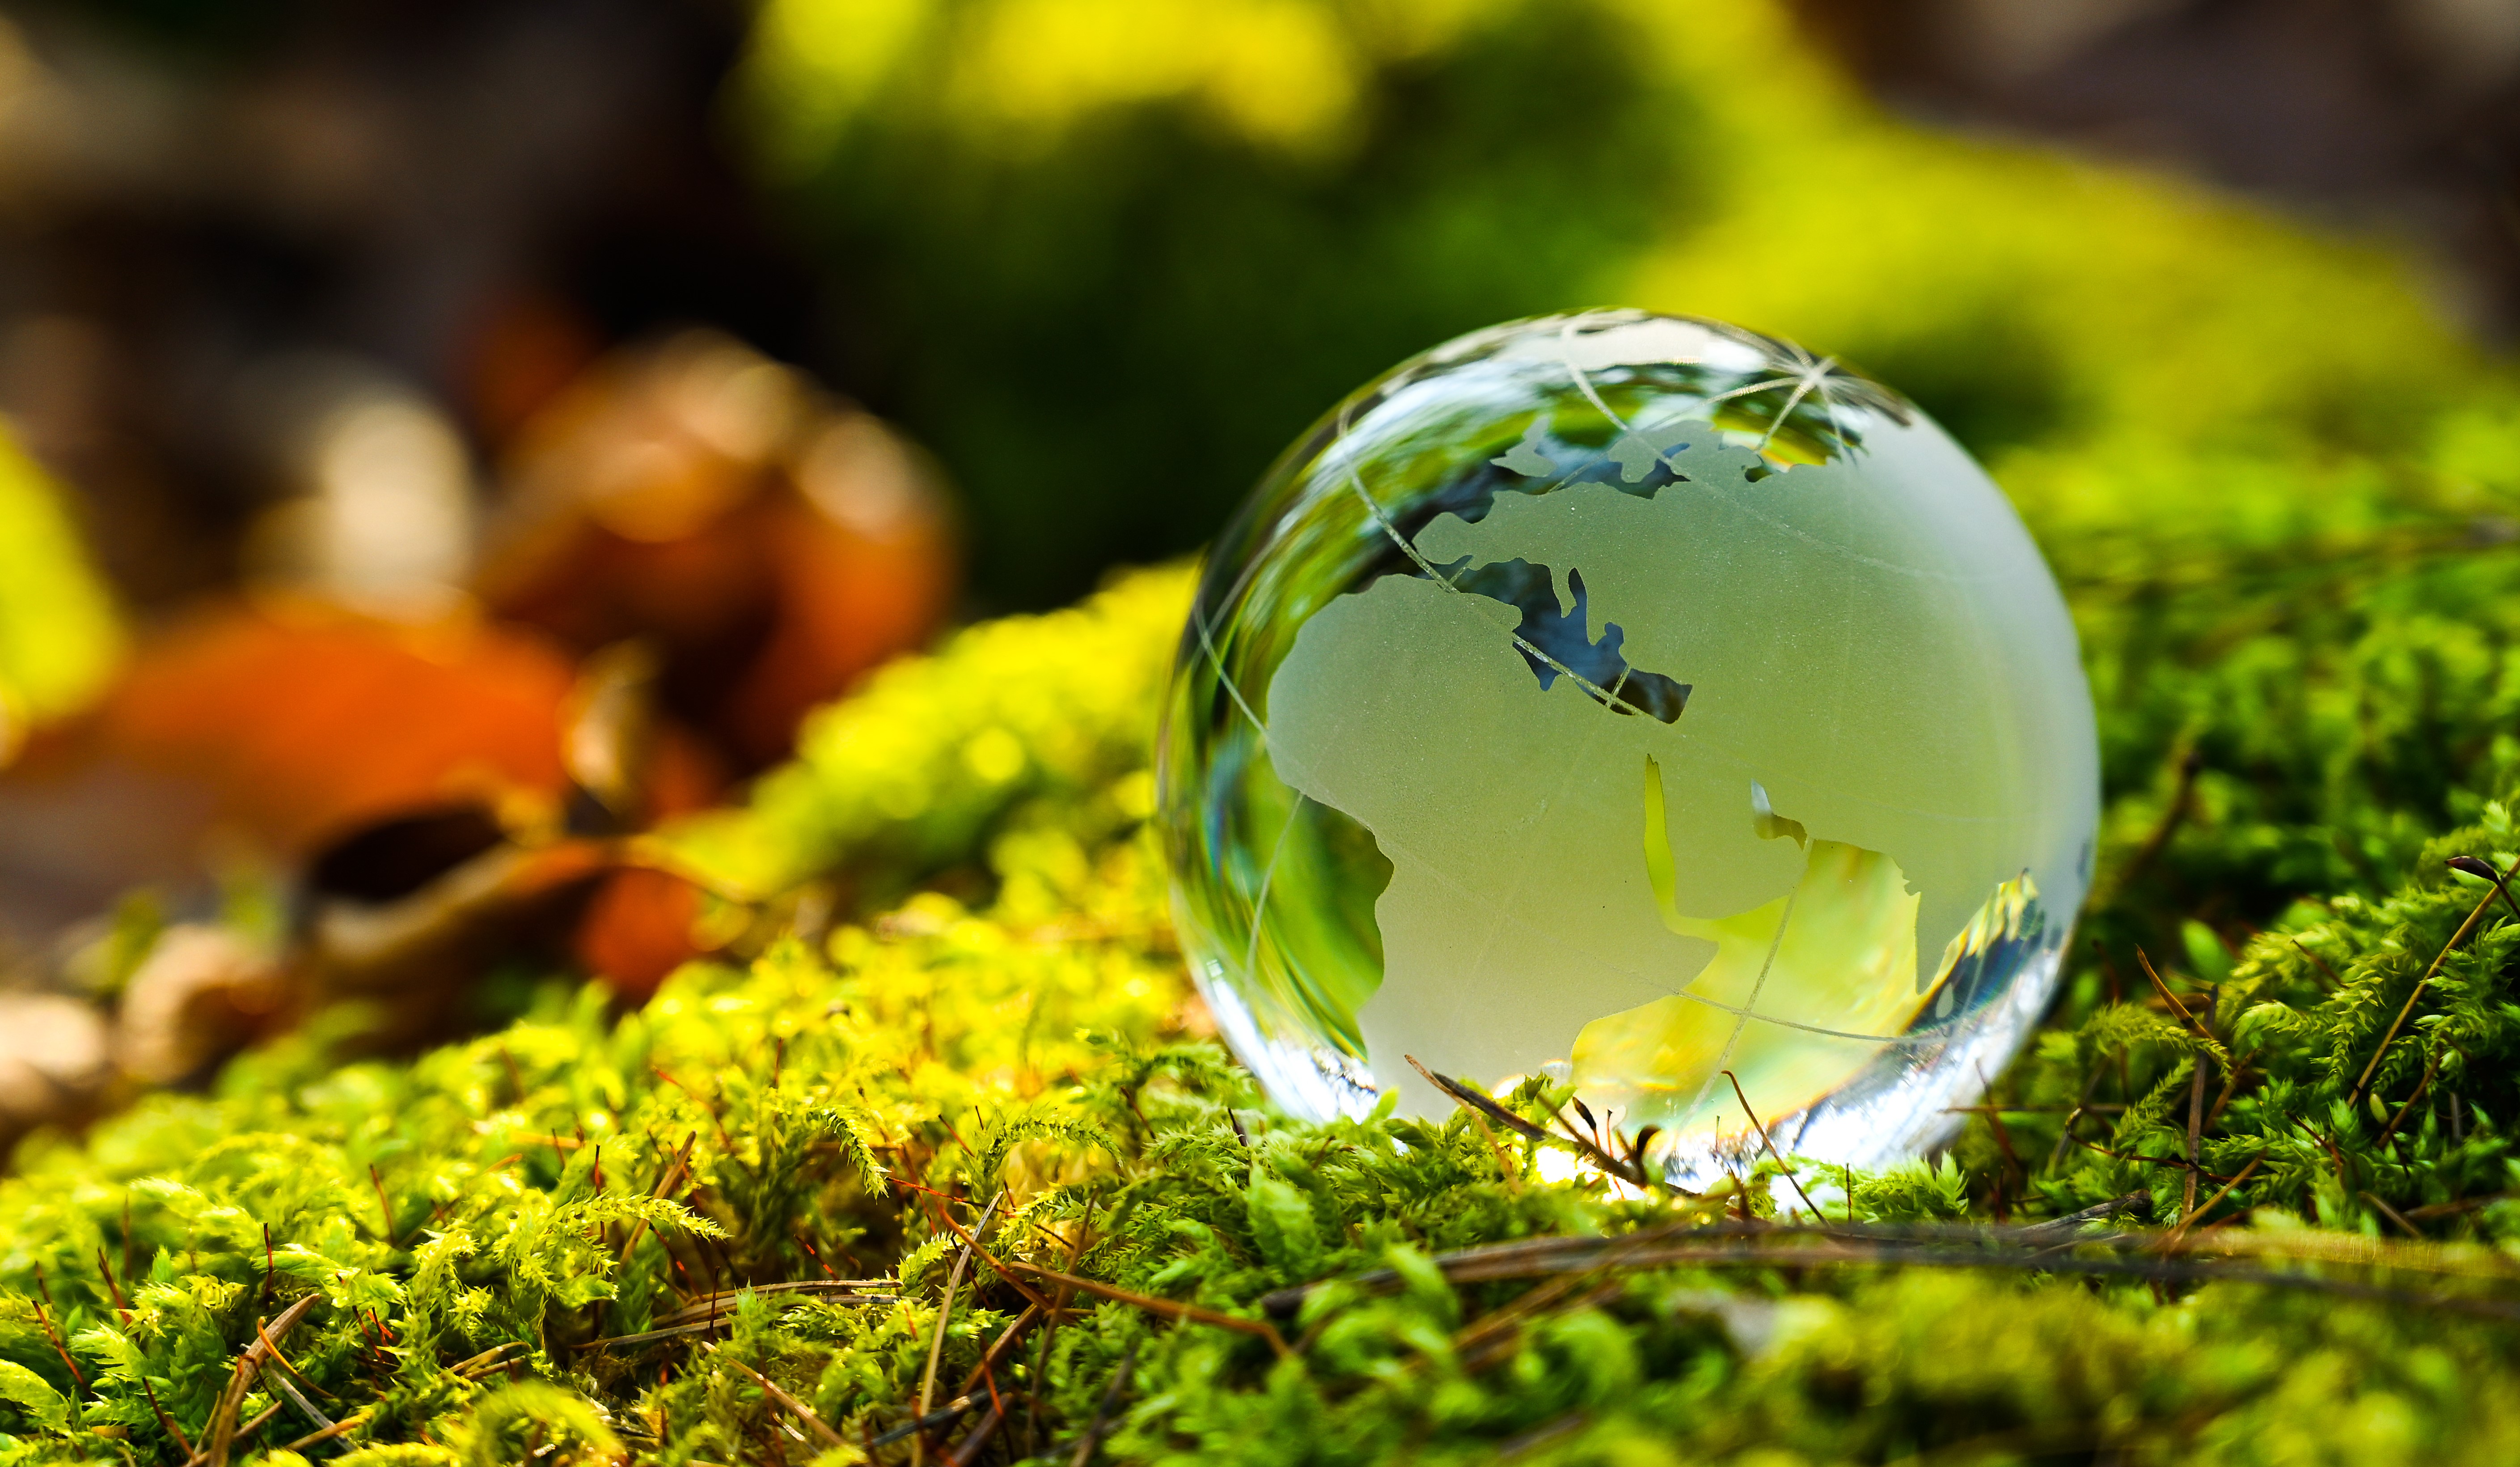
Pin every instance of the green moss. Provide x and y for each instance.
(579, 1179)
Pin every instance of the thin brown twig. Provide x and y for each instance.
(249, 1365)
(489, 1356)
(343, 1427)
(2333, 982)
(978, 1441)
(1168, 1307)
(2454, 1209)
(2102, 1212)
(1092, 1436)
(1769, 1142)
(2474, 867)
(1768, 1245)
(53, 1332)
(2195, 1127)
(706, 1324)
(971, 1244)
(2188, 1218)
(945, 1317)
(2066, 1133)
(2232, 1073)
(165, 1420)
(692, 1096)
(669, 1174)
(945, 1415)
(983, 1371)
(2003, 1145)
(267, 1415)
(815, 1253)
(709, 1303)
(1503, 1159)
(2144, 961)
(384, 1204)
(114, 1290)
(2355, 1095)
(2394, 1216)
(2432, 1068)
(797, 1408)
(1624, 1170)
(1463, 1095)
(951, 1410)
(1050, 1331)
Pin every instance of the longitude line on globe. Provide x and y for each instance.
(1217, 661)
(1809, 379)
(1433, 573)
(1749, 1009)
(1268, 875)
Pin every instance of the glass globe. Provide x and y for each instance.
(1641, 702)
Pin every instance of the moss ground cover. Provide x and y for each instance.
(739, 1224)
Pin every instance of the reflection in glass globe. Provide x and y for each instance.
(1634, 700)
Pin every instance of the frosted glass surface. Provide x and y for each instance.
(1635, 699)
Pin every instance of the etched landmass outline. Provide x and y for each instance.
(1455, 928)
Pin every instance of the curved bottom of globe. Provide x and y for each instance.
(1910, 1099)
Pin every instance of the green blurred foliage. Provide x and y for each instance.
(1111, 256)
(60, 634)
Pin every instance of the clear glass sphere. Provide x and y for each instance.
(1638, 701)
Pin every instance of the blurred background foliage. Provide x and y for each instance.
(1106, 254)
(58, 634)
(1117, 253)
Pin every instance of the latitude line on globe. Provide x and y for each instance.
(1357, 482)
(1751, 1005)
(1748, 1011)
(1802, 388)
(1828, 404)
(1911, 1041)
(1905, 1041)
(1260, 899)
(1574, 476)
(1742, 1015)
(1268, 875)
(1584, 385)
(1216, 660)
(1382, 519)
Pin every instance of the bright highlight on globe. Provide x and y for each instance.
(1639, 704)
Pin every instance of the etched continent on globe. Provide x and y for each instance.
(1685, 757)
